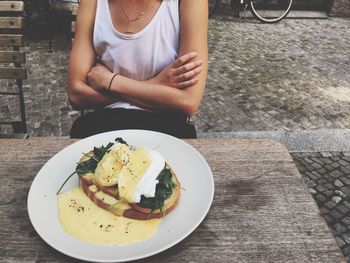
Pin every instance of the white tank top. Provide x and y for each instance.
(142, 55)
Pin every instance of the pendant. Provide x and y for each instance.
(128, 29)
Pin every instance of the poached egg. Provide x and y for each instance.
(135, 170)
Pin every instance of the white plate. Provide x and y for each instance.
(189, 165)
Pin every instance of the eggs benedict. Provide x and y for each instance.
(128, 181)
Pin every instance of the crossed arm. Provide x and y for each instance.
(180, 86)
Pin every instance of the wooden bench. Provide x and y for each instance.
(12, 59)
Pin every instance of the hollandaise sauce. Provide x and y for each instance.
(132, 174)
(81, 218)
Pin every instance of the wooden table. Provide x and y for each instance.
(262, 211)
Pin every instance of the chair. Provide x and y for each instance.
(74, 15)
(11, 58)
(62, 5)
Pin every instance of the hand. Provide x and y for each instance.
(99, 77)
(180, 74)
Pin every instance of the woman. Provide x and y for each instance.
(152, 65)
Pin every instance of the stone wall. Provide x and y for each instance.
(341, 8)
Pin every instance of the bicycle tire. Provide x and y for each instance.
(212, 5)
(263, 19)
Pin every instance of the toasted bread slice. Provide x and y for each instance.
(88, 179)
(133, 210)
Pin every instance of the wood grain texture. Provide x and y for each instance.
(12, 57)
(11, 23)
(262, 212)
(11, 6)
(11, 40)
(13, 73)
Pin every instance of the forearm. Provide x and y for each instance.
(84, 97)
(156, 96)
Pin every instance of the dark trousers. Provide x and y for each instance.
(172, 123)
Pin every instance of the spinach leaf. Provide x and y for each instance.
(164, 190)
(120, 140)
(100, 152)
(89, 166)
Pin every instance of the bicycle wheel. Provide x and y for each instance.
(212, 4)
(270, 11)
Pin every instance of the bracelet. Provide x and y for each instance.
(110, 83)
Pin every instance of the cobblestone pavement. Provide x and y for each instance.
(288, 76)
(327, 175)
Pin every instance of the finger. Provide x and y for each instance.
(100, 66)
(186, 84)
(188, 75)
(183, 59)
(88, 76)
(188, 67)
